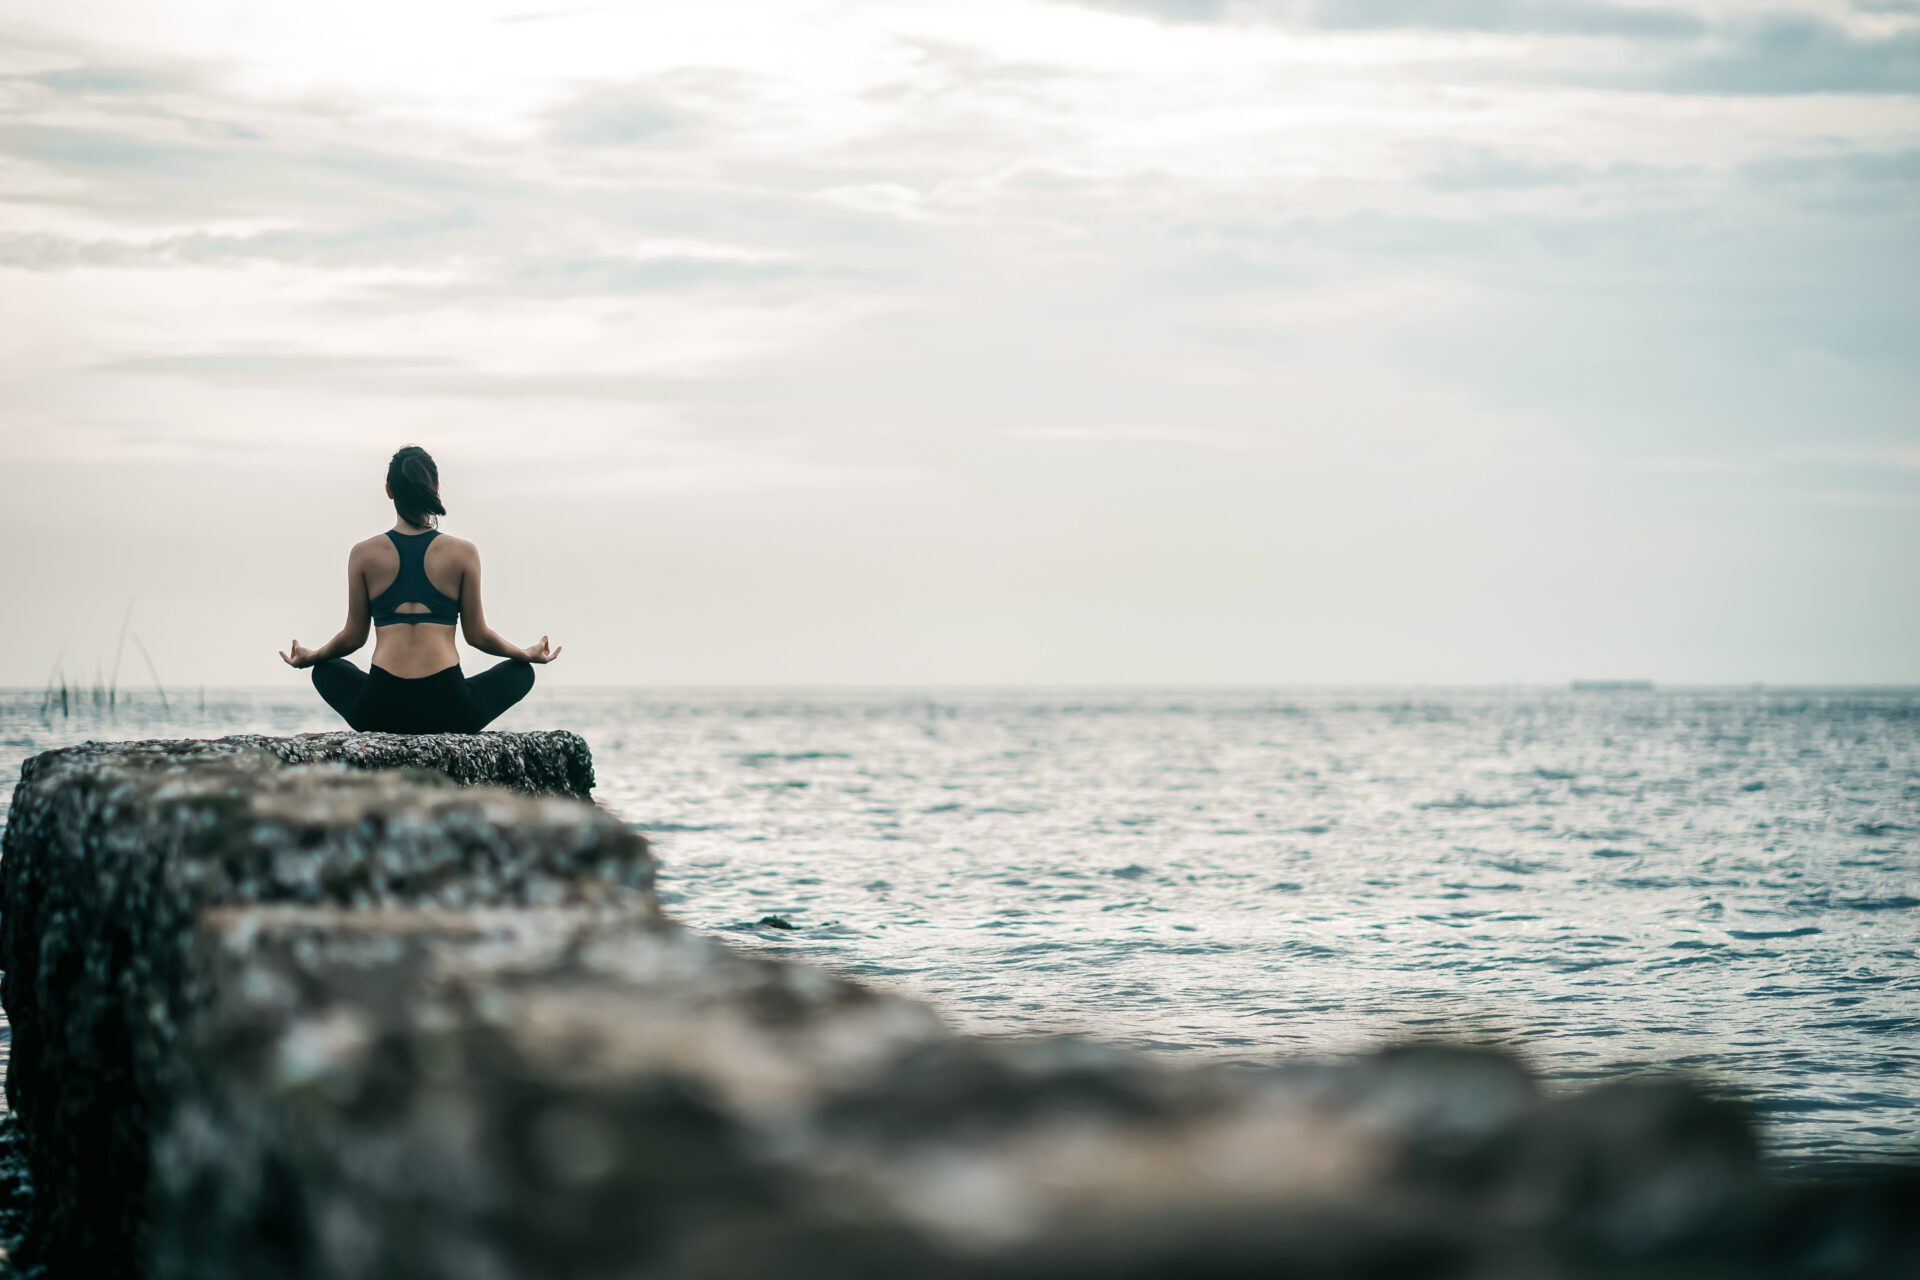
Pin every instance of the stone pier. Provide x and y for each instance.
(375, 1007)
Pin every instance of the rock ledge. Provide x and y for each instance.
(551, 762)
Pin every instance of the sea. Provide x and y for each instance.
(1606, 882)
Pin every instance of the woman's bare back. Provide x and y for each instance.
(414, 649)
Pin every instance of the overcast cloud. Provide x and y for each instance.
(983, 341)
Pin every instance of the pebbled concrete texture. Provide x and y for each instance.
(110, 857)
(563, 1093)
(547, 762)
(344, 1020)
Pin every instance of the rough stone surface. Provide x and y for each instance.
(551, 762)
(108, 863)
(547, 1093)
(560, 1094)
(16, 1196)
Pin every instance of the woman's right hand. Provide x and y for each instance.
(542, 652)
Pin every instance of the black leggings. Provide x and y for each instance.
(444, 702)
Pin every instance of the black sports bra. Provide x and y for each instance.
(411, 585)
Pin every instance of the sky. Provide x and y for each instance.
(1274, 342)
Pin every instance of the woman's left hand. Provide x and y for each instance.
(297, 655)
(542, 652)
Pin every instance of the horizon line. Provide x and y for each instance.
(1563, 686)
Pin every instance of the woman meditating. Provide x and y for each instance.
(413, 583)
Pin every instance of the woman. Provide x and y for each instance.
(413, 583)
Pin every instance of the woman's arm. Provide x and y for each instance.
(473, 620)
(351, 636)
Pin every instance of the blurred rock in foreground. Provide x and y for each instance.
(315, 1024)
(112, 854)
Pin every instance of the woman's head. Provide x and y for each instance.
(413, 482)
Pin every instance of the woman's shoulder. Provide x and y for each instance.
(379, 549)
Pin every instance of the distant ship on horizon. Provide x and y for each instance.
(1601, 686)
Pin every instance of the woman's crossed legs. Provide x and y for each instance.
(444, 702)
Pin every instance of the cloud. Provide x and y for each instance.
(271, 366)
(95, 151)
(1172, 10)
(375, 243)
(107, 81)
(1491, 169)
(615, 116)
(1504, 17)
(1795, 53)
(581, 277)
(1510, 17)
(144, 172)
(554, 15)
(1780, 52)
(1861, 184)
(374, 374)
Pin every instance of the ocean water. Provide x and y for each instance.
(1722, 881)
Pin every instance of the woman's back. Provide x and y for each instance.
(413, 583)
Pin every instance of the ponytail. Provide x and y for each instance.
(415, 482)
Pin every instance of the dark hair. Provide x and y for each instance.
(415, 482)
